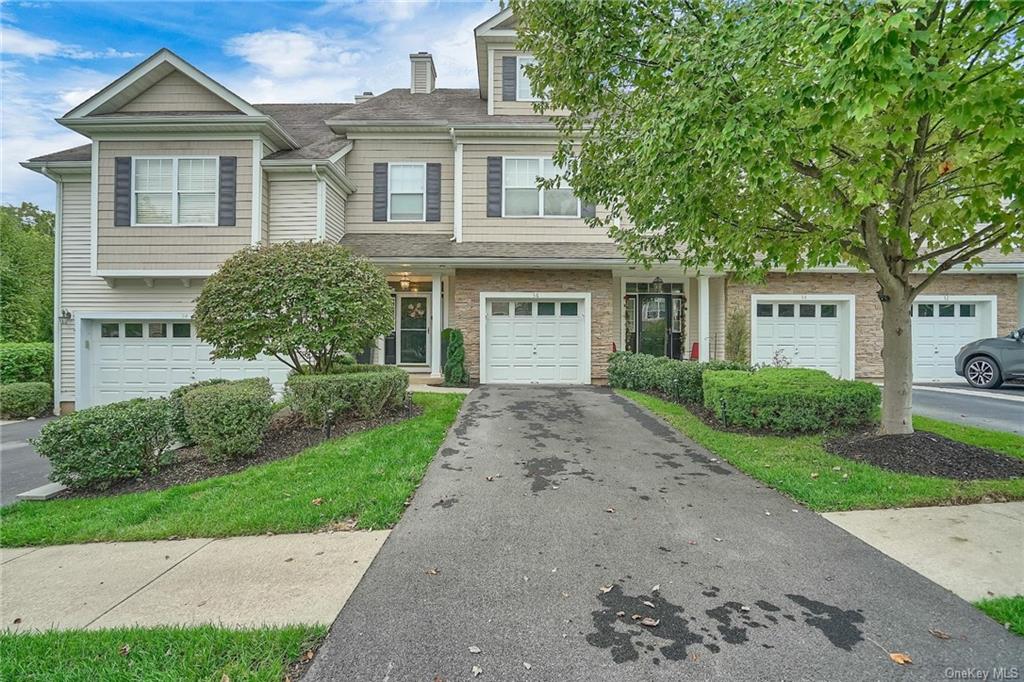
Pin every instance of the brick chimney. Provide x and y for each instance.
(423, 73)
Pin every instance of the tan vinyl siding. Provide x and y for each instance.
(81, 292)
(292, 210)
(176, 92)
(334, 222)
(501, 107)
(153, 249)
(359, 210)
(476, 226)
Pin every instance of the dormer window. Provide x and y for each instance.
(174, 191)
(524, 90)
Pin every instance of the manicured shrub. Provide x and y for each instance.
(455, 361)
(789, 400)
(364, 391)
(178, 408)
(679, 380)
(22, 362)
(97, 446)
(229, 419)
(25, 399)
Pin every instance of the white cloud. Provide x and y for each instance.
(291, 53)
(376, 12)
(23, 44)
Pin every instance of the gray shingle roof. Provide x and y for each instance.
(404, 246)
(80, 153)
(450, 106)
(305, 123)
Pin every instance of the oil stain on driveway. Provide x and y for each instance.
(567, 534)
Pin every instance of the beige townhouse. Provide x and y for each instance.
(439, 187)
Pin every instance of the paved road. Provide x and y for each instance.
(533, 568)
(1001, 409)
(21, 468)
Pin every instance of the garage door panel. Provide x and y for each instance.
(546, 347)
(803, 337)
(938, 337)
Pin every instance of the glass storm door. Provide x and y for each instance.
(413, 315)
(653, 323)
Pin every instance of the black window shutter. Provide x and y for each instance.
(380, 192)
(228, 184)
(493, 186)
(122, 191)
(588, 210)
(509, 71)
(433, 192)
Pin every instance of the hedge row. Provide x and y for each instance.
(26, 362)
(229, 419)
(25, 399)
(363, 391)
(679, 380)
(789, 400)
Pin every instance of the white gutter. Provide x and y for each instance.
(457, 191)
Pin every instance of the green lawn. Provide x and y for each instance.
(156, 654)
(367, 475)
(786, 464)
(1005, 610)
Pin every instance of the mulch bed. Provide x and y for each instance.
(926, 454)
(286, 436)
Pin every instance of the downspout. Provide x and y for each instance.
(321, 204)
(457, 192)
(57, 238)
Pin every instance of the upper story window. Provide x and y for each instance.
(407, 190)
(174, 191)
(522, 196)
(524, 90)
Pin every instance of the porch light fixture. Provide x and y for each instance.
(657, 281)
(403, 284)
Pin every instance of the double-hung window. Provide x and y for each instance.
(174, 191)
(523, 197)
(407, 192)
(524, 89)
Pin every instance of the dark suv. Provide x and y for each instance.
(989, 362)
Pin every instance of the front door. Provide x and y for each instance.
(412, 322)
(654, 324)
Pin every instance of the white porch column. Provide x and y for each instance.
(436, 314)
(703, 318)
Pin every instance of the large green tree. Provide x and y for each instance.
(26, 273)
(306, 303)
(757, 135)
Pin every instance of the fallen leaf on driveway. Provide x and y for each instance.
(527, 665)
(289, 559)
(432, 571)
(477, 671)
(650, 622)
(610, 510)
(938, 634)
(650, 604)
(318, 501)
(635, 616)
(900, 659)
(605, 589)
(310, 654)
(489, 478)
(475, 649)
(656, 588)
(17, 620)
(620, 614)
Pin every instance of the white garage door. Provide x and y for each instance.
(799, 334)
(535, 341)
(140, 359)
(939, 330)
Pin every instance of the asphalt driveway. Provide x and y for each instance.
(554, 520)
(21, 467)
(1000, 409)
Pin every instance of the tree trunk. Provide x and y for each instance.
(897, 362)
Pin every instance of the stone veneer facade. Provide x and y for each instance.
(868, 322)
(464, 309)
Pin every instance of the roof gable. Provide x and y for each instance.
(176, 92)
(120, 96)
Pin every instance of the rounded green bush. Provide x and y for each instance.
(25, 399)
(26, 362)
(788, 400)
(229, 419)
(178, 408)
(364, 391)
(97, 446)
(678, 380)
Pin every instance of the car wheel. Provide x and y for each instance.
(982, 372)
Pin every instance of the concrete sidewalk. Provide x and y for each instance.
(973, 551)
(234, 582)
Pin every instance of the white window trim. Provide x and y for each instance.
(540, 192)
(174, 191)
(422, 165)
(519, 72)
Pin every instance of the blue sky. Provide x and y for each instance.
(56, 54)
